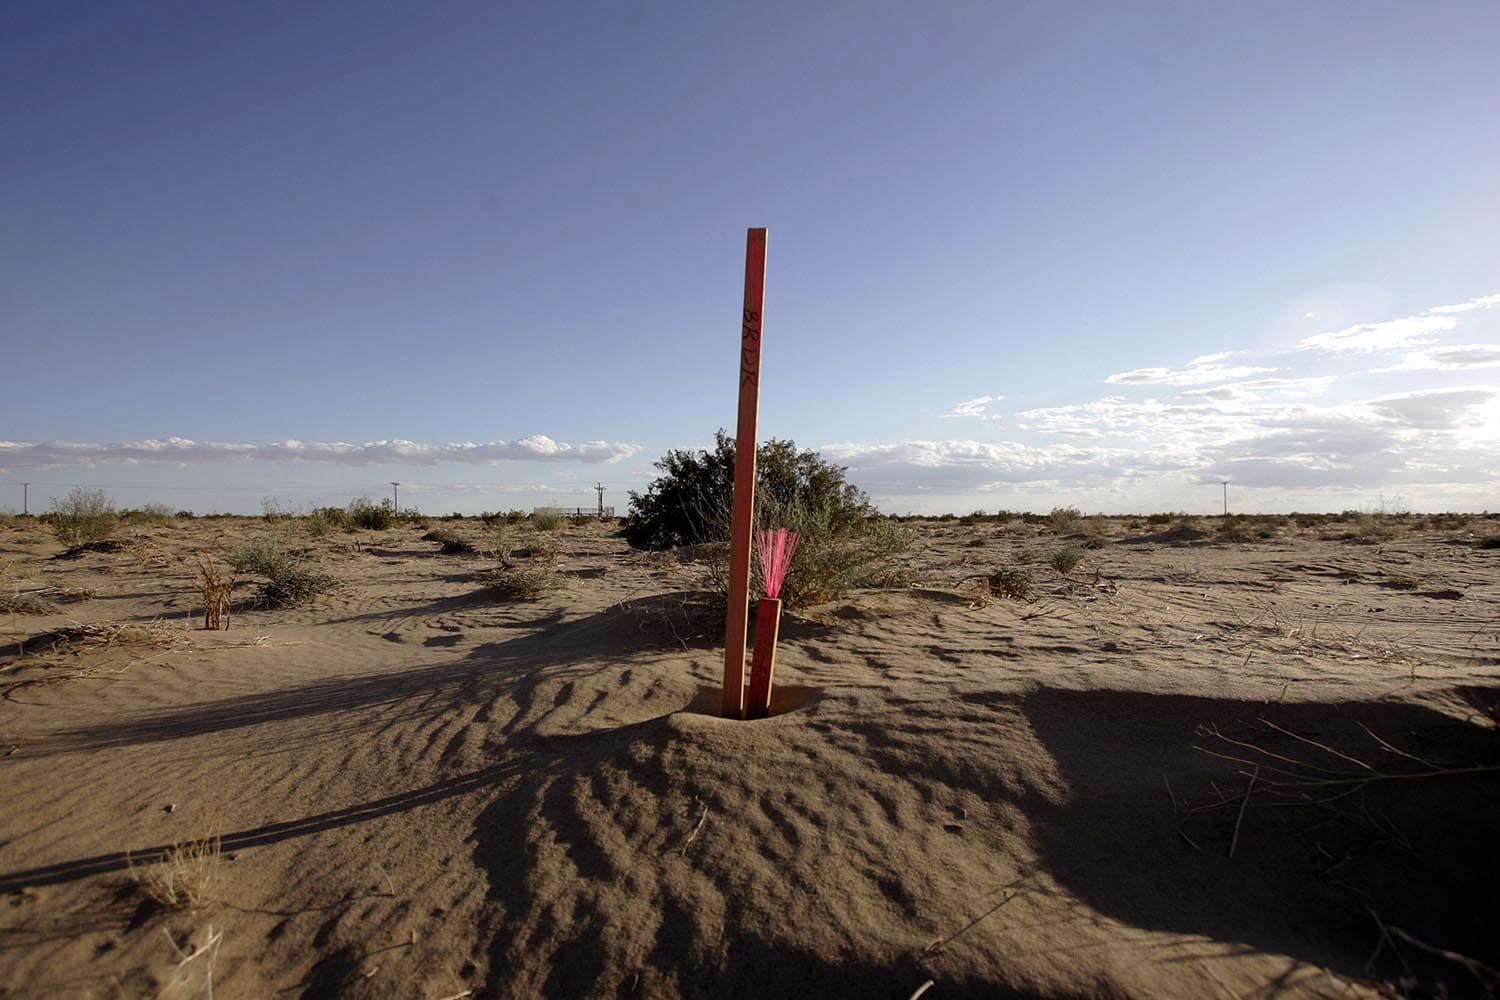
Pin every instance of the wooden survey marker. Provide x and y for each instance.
(744, 475)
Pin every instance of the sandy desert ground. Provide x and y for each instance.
(417, 790)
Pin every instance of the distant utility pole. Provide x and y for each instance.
(1226, 497)
(600, 488)
(25, 498)
(395, 497)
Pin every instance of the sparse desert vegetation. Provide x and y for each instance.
(1201, 729)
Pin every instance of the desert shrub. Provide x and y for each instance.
(1011, 581)
(1161, 518)
(185, 515)
(547, 520)
(217, 590)
(1066, 559)
(1064, 519)
(289, 578)
(83, 517)
(151, 513)
(322, 520)
(844, 543)
(450, 542)
(376, 517)
(527, 580)
(1489, 542)
(183, 876)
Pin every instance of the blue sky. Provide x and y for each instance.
(495, 251)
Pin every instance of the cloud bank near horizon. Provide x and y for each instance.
(184, 451)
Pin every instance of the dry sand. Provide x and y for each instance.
(420, 791)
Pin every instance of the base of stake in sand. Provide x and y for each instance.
(775, 548)
(763, 658)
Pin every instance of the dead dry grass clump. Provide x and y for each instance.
(527, 577)
(25, 604)
(216, 588)
(183, 877)
(80, 637)
(1010, 581)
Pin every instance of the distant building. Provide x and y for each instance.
(575, 511)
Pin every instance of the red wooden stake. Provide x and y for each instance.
(763, 657)
(744, 475)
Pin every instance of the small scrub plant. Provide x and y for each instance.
(322, 520)
(151, 513)
(1066, 559)
(450, 542)
(371, 516)
(183, 877)
(527, 580)
(1064, 519)
(845, 543)
(547, 520)
(1011, 581)
(83, 517)
(290, 579)
(217, 588)
(1489, 542)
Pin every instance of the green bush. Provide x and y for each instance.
(289, 578)
(376, 517)
(843, 542)
(151, 513)
(547, 520)
(321, 520)
(1064, 519)
(83, 517)
(1066, 559)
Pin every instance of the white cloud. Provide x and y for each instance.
(1202, 370)
(1366, 337)
(1208, 359)
(1483, 302)
(1458, 357)
(1262, 388)
(976, 407)
(536, 448)
(1193, 374)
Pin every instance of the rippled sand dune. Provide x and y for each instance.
(418, 790)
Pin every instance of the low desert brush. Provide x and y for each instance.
(1066, 559)
(217, 589)
(547, 520)
(450, 542)
(183, 877)
(527, 579)
(1011, 581)
(84, 516)
(1064, 519)
(289, 578)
